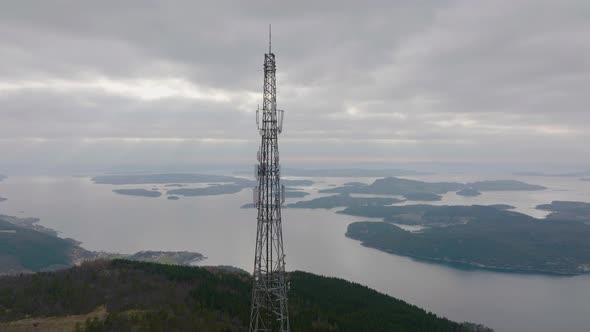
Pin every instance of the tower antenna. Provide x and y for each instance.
(269, 312)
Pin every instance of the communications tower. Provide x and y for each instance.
(269, 293)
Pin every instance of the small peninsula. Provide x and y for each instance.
(567, 210)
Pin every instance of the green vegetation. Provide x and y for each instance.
(480, 236)
(142, 296)
(138, 192)
(566, 210)
(343, 200)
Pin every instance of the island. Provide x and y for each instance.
(470, 192)
(418, 196)
(167, 178)
(217, 184)
(221, 189)
(395, 186)
(503, 185)
(585, 179)
(138, 192)
(2, 199)
(173, 198)
(477, 236)
(567, 210)
(343, 200)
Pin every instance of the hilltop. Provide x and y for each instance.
(124, 295)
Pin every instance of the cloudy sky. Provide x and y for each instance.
(152, 82)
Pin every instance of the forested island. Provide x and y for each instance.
(415, 188)
(122, 295)
(477, 236)
(217, 184)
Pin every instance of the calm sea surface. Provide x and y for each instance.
(315, 242)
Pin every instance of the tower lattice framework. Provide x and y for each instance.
(269, 293)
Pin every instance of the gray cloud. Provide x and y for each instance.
(112, 82)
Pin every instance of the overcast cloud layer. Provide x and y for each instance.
(112, 82)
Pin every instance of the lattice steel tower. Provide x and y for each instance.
(269, 293)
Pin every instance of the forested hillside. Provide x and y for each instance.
(153, 297)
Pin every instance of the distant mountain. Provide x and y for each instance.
(136, 296)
